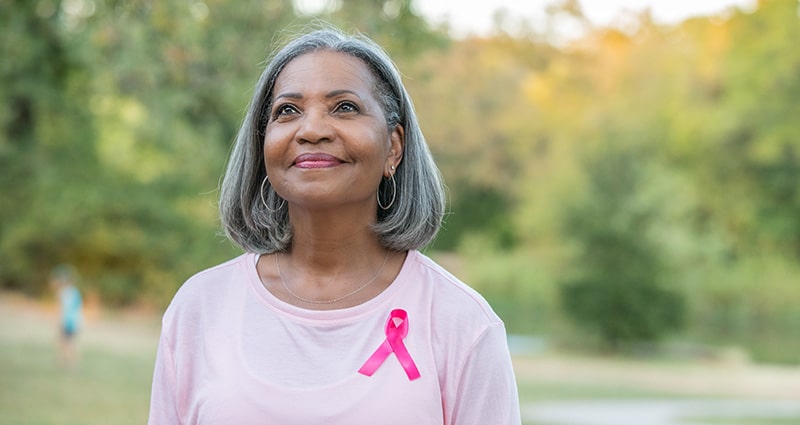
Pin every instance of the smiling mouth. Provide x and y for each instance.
(311, 161)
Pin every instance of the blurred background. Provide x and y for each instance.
(624, 191)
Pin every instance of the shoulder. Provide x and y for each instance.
(207, 288)
(454, 302)
(463, 326)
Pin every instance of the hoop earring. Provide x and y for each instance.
(261, 192)
(394, 194)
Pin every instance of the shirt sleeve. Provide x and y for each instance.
(487, 390)
(163, 396)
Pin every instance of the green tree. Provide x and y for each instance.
(616, 286)
(46, 132)
(758, 147)
(391, 23)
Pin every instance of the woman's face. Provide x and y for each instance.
(327, 143)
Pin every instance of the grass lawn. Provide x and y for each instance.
(105, 388)
(110, 385)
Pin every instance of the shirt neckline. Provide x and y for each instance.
(334, 316)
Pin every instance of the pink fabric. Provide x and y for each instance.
(230, 352)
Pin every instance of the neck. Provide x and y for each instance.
(331, 240)
(331, 301)
(334, 255)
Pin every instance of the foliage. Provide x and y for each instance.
(116, 131)
(517, 283)
(616, 286)
(644, 159)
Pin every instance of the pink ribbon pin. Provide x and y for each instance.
(396, 330)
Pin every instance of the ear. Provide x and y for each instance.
(397, 142)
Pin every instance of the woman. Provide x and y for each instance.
(331, 316)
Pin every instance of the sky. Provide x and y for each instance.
(476, 16)
(467, 17)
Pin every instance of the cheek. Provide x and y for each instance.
(374, 142)
(273, 147)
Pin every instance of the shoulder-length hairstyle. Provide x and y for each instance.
(262, 226)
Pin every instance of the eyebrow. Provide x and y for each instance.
(289, 95)
(341, 92)
(293, 95)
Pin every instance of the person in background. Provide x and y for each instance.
(332, 315)
(63, 280)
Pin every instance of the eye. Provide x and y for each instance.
(284, 110)
(346, 106)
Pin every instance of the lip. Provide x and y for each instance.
(316, 160)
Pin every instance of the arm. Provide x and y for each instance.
(163, 397)
(487, 391)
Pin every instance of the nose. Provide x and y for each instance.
(315, 127)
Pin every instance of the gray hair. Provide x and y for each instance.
(413, 219)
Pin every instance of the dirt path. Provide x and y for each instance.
(657, 412)
(722, 389)
(735, 379)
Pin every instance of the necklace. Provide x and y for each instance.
(348, 295)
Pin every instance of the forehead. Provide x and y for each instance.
(324, 70)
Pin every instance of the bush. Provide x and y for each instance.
(617, 283)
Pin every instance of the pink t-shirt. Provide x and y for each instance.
(232, 353)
